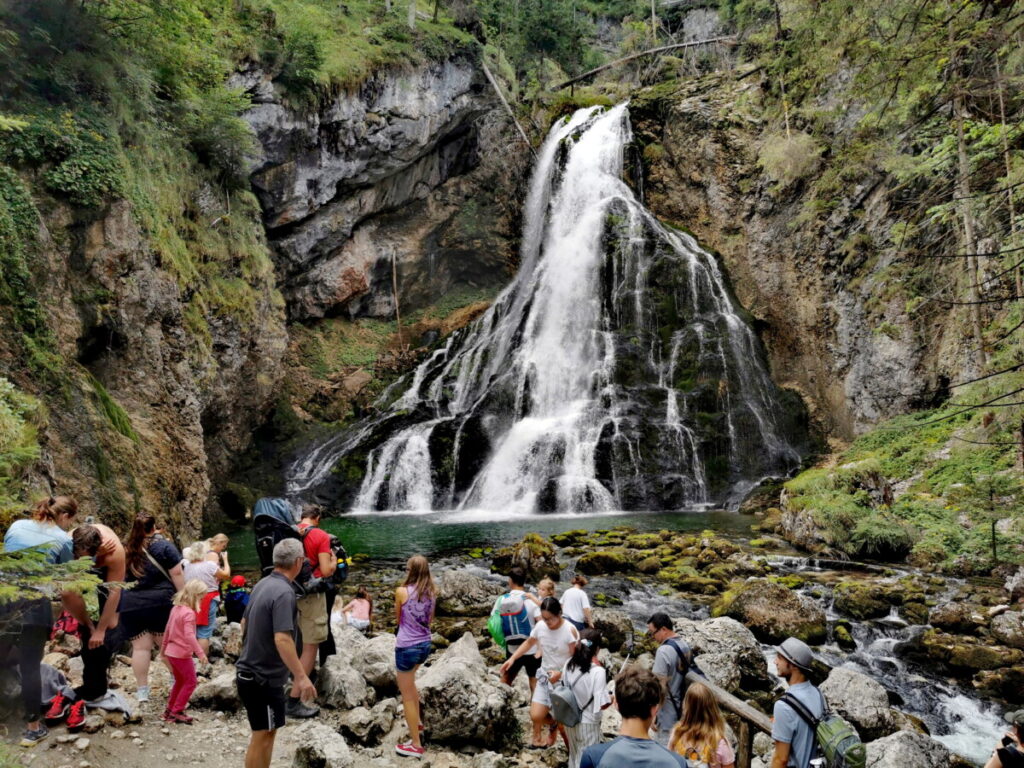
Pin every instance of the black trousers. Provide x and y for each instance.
(327, 648)
(96, 662)
(22, 644)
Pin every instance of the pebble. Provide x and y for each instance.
(85, 764)
(82, 744)
(137, 742)
(134, 734)
(165, 731)
(66, 738)
(117, 734)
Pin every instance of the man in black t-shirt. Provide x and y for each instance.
(268, 653)
(1010, 752)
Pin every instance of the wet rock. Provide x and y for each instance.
(461, 593)
(727, 652)
(464, 703)
(571, 538)
(604, 561)
(844, 637)
(861, 701)
(218, 693)
(1008, 628)
(967, 653)
(772, 612)
(320, 746)
(369, 726)
(954, 617)
(862, 601)
(341, 686)
(534, 554)
(907, 749)
(1006, 682)
(616, 627)
(649, 565)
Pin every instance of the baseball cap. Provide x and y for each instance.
(238, 581)
(796, 652)
(1015, 718)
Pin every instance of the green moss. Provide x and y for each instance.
(115, 414)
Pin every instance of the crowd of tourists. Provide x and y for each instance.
(157, 599)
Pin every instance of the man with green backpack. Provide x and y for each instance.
(805, 733)
(510, 624)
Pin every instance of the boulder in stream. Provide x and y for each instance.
(461, 593)
(727, 652)
(861, 701)
(1008, 628)
(464, 704)
(907, 749)
(534, 554)
(773, 612)
(615, 627)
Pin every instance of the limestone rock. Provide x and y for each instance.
(374, 659)
(615, 627)
(534, 554)
(340, 685)
(369, 726)
(1015, 585)
(320, 746)
(464, 704)
(231, 636)
(218, 693)
(58, 661)
(907, 749)
(93, 723)
(861, 701)
(953, 617)
(773, 612)
(727, 652)
(1008, 628)
(461, 593)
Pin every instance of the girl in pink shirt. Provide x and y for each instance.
(359, 611)
(179, 646)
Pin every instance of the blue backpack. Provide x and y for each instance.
(515, 617)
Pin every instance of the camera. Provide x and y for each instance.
(1007, 741)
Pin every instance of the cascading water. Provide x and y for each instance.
(615, 372)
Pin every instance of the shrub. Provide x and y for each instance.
(220, 138)
(788, 159)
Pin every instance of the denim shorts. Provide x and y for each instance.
(406, 659)
(205, 631)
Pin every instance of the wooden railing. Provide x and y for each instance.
(747, 714)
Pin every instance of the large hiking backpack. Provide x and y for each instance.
(565, 708)
(515, 617)
(340, 574)
(836, 740)
(273, 521)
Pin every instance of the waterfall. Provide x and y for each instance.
(615, 372)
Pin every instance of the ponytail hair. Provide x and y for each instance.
(138, 539)
(587, 647)
(47, 510)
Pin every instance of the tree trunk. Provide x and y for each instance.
(963, 193)
(654, 25)
(437, 8)
(995, 557)
(412, 14)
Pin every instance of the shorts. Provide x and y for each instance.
(205, 631)
(313, 618)
(151, 621)
(530, 662)
(264, 704)
(406, 659)
(361, 624)
(542, 693)
(580, 625)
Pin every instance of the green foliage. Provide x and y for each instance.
(219, 137)
(119, 420)
(20, 415)
(787, 159)
(25, 574)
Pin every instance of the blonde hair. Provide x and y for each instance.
(220, 538)
(701, 727)
(417, 575)
(192, 594)
(546, 585)
(197, 552)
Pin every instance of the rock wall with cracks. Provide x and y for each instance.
(371, 180)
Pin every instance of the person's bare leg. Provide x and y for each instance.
(538, 717)
(261, 749)
(308, 657)
(204, 643)
(142, 655)
(410, 703)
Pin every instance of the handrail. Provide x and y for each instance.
(747, 714)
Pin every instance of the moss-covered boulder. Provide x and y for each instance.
(1005, 683)
(862, 600)
(615, 627)
(843, 636)
(773, 612)
(915, 613)
(956, 617)
(639, 541)
(967, 654)
(534, 554)
(570, 538)
(649, 565)
(603, 561)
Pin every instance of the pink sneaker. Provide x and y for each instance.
(409, 750)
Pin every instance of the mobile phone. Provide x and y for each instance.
(1007, 741)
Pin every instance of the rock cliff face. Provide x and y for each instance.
(370, 182)
(834, 329)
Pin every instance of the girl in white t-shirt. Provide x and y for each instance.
(557, 639)
(589, 683)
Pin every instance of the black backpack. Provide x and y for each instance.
(684, 664)
(272, 521)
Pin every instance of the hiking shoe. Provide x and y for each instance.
(181, 717)
(296, 708)
(31, 738)
(142, 694)
(409, 750)
(76, 717)
(168, 717)
(58, 709)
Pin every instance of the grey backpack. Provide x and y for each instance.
(565, 709)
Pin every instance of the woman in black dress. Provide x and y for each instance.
(154, 575)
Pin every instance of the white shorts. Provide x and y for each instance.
(542, 693)
(361, 624)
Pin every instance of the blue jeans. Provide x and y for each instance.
(205, 632)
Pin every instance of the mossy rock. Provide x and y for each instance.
(1006, 683)
(760, 543)
(570, 538)
(790, 580)
(862, 601)
(649, 565)
(773, 612)
(963, 654)
(843, 637)
(723, 572)
(603, 600)
(915, 613)
(707, 558)
(534, 554)
(605, 561)
(643, 541)
(688, 580)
